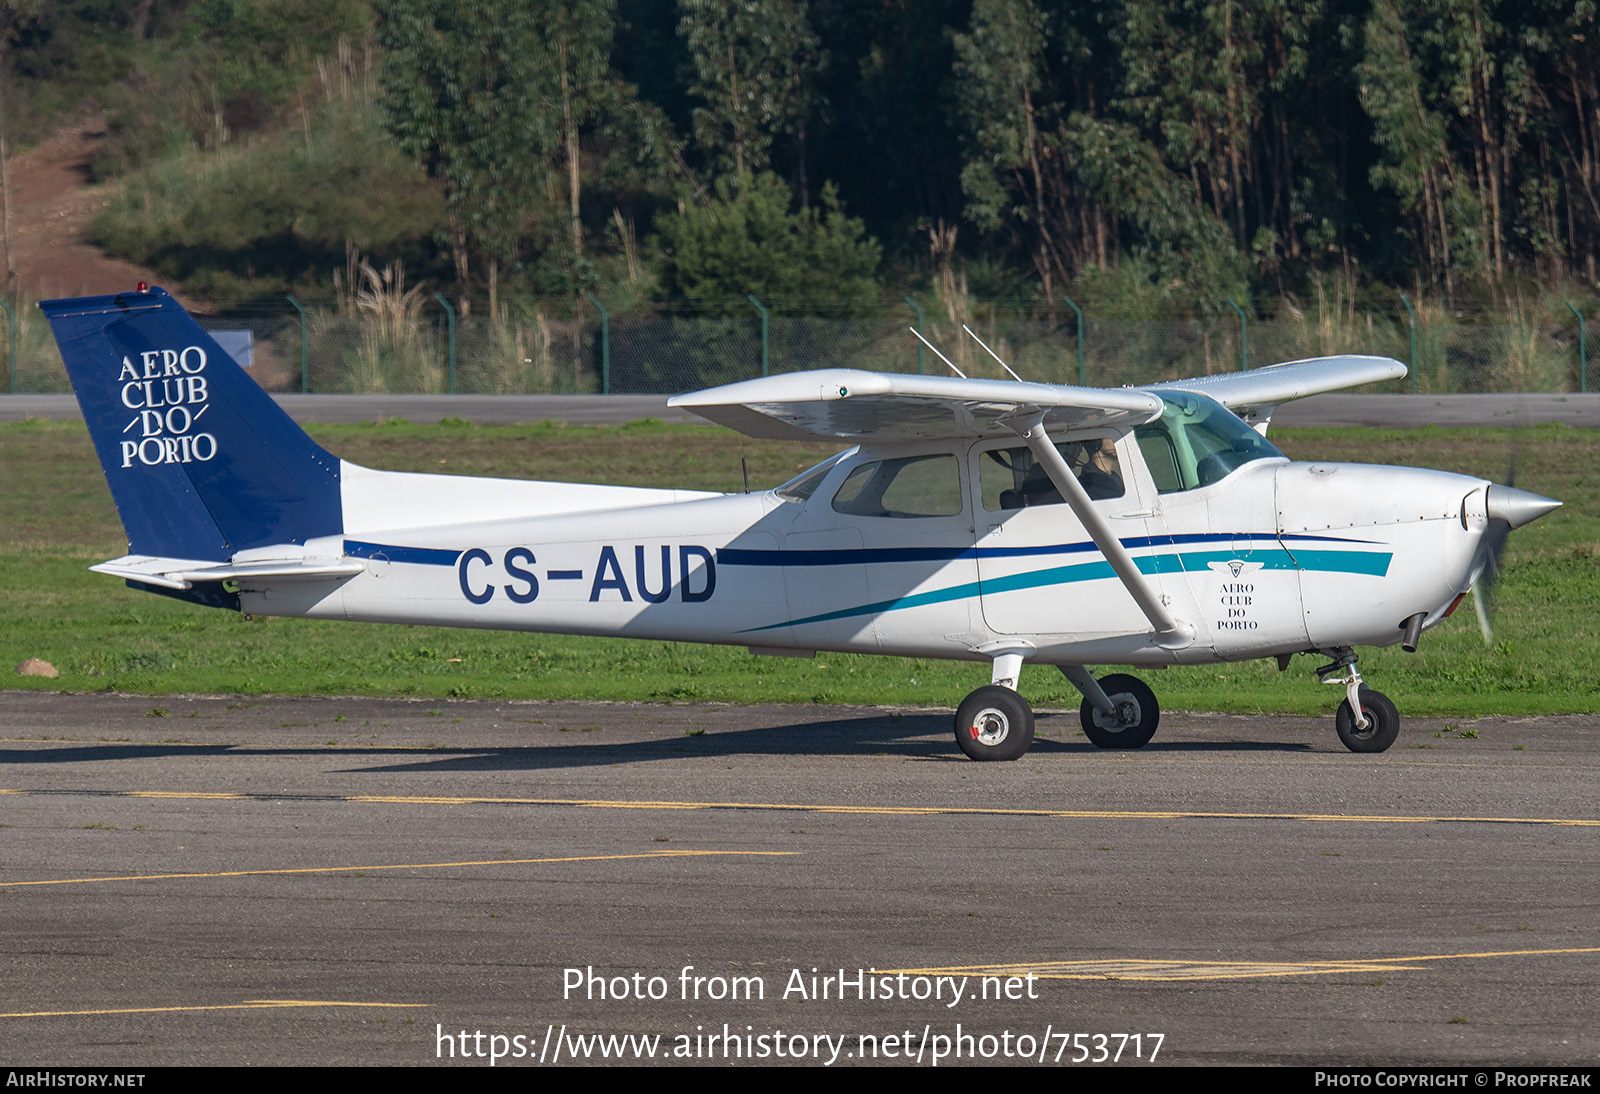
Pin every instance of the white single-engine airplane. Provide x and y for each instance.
(980, 520)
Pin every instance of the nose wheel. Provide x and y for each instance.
(1366, 720)
(1383, 723)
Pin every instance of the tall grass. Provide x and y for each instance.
(380, 332)
(37, 367)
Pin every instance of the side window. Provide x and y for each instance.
(1011, 480)
(912, 486)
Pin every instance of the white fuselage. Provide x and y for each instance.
(1275, 557)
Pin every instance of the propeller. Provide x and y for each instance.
(1508, 508)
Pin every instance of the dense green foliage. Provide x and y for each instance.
(1200, 149)
(257, 217)
(748, 241)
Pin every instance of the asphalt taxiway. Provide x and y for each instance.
(275, 881)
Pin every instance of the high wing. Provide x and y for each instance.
(853, 405)
(1255, 394)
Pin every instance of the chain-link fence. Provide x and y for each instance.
(539, 348)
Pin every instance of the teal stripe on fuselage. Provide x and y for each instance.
(1372, 563)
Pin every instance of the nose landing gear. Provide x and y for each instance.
(1366, 720)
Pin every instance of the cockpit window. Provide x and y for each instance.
(1196, 442)
(912, 486)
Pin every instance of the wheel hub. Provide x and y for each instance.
(1126, 714)
(990, 727)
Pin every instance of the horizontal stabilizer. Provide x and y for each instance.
(185, 573)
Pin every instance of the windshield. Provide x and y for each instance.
(1197, 442)
(803, 485)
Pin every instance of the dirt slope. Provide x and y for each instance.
(52, 207)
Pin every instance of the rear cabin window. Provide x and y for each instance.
(911, 486)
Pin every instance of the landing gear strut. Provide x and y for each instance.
(1366, 721)
(1117, 712)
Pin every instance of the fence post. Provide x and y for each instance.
(1583, 351)
(305, 359)
(450, 317)
(605, 344)
(918, 310)
(1244, 338)
(10, 362)
(1411, 363)
(1076, 310)
(762, 309)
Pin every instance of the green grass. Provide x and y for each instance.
(56, 518)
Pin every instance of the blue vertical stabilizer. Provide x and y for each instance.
(202, 463)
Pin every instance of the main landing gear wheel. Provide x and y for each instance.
(1134, 722)
(1383, 723)
(994, 723)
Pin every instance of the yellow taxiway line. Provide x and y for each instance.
(248, 1004)
(878, 810)
(685, 853)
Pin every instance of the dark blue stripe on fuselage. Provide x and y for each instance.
(858, 556)
(418, 556)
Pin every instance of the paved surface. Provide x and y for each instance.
(1367, 410)
(356, 881)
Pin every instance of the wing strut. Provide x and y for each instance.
(1171, 633)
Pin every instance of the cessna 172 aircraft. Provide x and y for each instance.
(973, 519)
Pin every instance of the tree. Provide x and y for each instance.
(1415, 163)
(753, 67)
(578, 39)
(462, 89)
(13, 14)
(748, 240)
(1012, 172)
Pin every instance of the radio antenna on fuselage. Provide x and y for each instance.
(991, 352)
(935, 349)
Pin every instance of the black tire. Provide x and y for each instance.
(1380, 712)
(1137, 708)
(994, 723)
